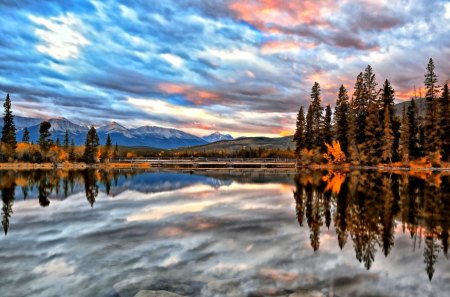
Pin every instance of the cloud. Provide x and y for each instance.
(231, 60)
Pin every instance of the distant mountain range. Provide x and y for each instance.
(146, 136)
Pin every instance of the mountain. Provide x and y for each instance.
(420, 104)
(22, 122)
(245, 142)
(58, 130)
(217, 136)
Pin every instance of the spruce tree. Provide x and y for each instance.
(26, 136)
(9, 129)
(90, 150)
(116, 151)
(432, 141)
(108, 143)
(317, 116)
(404, 137)
(359, 106)
(341, 118)
(369, 85)
(387, 140)
(371, 147)
(299, 136)
(327, 128)
(107, 149)
(44, 137)
(66, 140)
(444, 117)
(58, 142)
(72, 156)
(413, 129)
(309, 133)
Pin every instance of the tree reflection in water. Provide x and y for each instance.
(367, 206)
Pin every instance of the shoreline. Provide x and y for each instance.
(130, 165)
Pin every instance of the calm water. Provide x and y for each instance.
(94, 233)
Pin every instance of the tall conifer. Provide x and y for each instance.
(299, 136)
(9, 129)
(341, 118)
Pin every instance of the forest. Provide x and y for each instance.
(365, 130)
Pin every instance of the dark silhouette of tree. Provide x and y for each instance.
(72, 156)
(309, 132)
(444, 125)
(371, 148)
(359, 106)
(369, 85)
(107, 149)
(387, 139)
(404, 138)
(9, 129)
(430, 254)
(92, 142)
(341, 119)
(8, 196)
(44, 189)
(413, 129)
(58, 142)
(26, 136)
(45, 141)
(432, 140)
(90, 186)
(327, 127)
(316, 115)
(298, 196)
(299, 136)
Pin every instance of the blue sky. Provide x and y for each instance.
(239, 67)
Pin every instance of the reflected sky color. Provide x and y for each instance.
(199, 235)
(240, 67)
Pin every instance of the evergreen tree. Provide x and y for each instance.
(92, 142)
(26, 136)
(432, 141)
(72, 156)
(44, 137)
(371, 147)
(353, 150)
(341, 118)
(317, 116)
(444, 116)
(108, 143)
(405, 137)
(299, 136)
(107, 149)
(309, 133)
(116, 151)
(388, 137)
(327, 128)
(66, 140)
(359, 108)
(413, 128)
(369, 85)
(58, 142)
(9, 129)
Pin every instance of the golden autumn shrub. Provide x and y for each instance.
(334, 153)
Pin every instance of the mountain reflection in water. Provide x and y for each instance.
(215, 233)
(368, 205)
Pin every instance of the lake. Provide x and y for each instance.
(220, 233)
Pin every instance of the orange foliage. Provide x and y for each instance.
(334, 153)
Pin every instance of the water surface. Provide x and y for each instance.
(97, 233)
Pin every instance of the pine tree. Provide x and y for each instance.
(388, 137)
(116, 151)
(108, 143)
(404, 138)
(432, 141)
(341, 118)
(317, 116)
(72, 156)
(58, 142)
(299, 136)
(413, 128)
(44, 137)
(92, 142)
(359, 106)
(9, 129)
(66, 140)
(26, 136)
(327, 128)
(353, 150)
(309, 133)
(369, 85)
(107, 149)
(444, 116)
(371, 146)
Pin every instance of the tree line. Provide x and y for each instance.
(366, 129)
(47, 150)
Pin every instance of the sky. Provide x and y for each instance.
(238, 67)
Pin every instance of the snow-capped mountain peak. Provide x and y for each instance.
(217, 136)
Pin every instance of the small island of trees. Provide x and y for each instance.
(365, 130)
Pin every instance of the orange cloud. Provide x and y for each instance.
(273, 47)
(263, 13)
(194, 95)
